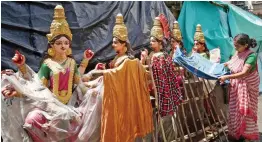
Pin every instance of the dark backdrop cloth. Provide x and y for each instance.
(25, 25)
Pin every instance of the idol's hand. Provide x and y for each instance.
(18, 59)
(8, 91)
(88, 54)
(100, 66)
(7, 72)
(144, 55)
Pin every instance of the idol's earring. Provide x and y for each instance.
(51, 52)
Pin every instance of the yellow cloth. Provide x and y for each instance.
(127, 111)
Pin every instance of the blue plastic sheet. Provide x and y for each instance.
(200, 66)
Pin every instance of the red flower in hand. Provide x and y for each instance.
(100, 66)
(18, 58)
(89, 54)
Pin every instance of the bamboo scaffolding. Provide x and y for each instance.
(175, 126)
(207, 117)
(196, 96)
(185, 121)
(219, 120)
(216, 127)
(206, 97)
(197, 108)
(222, 113)
(194, 134)
(181, 131)
(190, 108)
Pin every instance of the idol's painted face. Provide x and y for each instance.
(200, 46)
(174, 43)
(118, 46)
(61, 45)
(155, 45)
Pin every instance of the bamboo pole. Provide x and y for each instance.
(185, 120)
(207, 117)
(205, 96)
(221, 125)
(194, 134)
(190, 108)
(222, 113)
(175, 126)
(197, 108)
(181, 131)
(155, 133)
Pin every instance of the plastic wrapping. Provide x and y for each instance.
(64, 122)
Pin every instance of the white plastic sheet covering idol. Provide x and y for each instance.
(86, 117)
(215, 55)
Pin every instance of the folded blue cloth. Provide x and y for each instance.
(200, 66)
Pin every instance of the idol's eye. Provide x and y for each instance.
(58, 43)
